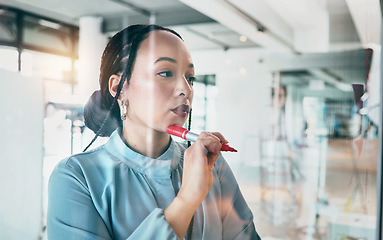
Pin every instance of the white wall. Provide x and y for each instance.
(21, 155)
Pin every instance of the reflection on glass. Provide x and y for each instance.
(318, 157)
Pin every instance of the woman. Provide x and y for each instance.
(141, 184)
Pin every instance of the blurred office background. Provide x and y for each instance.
(294, 85)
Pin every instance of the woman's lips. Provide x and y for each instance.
(181, 110)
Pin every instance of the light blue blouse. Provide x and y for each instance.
(113, 192)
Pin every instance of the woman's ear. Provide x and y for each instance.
(114, 80)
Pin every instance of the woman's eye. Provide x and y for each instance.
(191, 79)
(166, 74)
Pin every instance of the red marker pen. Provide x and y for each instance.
(183, 133)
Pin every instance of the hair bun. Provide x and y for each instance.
(95, 114)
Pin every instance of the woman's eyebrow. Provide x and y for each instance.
(165, 59)
(191, 65)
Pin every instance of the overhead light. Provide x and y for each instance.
(49, 24)
(228, 61)
(243, 38)
(243, 71)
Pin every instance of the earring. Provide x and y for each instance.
(124, 110)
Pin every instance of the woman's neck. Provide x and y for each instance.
(145, 141)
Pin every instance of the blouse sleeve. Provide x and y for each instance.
(237, 218)
(72, 214)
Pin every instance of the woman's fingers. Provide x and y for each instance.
(220, 136)
(212, 144)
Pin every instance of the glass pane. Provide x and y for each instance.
(318, 159)
(7, 26)
(55, 70)
(46, 34)
(45, 65)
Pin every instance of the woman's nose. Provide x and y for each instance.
(183, 88)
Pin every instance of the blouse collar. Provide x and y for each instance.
(159, 167)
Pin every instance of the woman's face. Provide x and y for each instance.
(160, 93)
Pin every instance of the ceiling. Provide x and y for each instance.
(294, 25)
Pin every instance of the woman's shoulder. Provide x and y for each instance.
(77, 163)
(87, 170)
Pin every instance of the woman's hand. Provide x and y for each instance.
(197, 180)
(199, 160)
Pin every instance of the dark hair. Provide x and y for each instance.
(102, 113)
